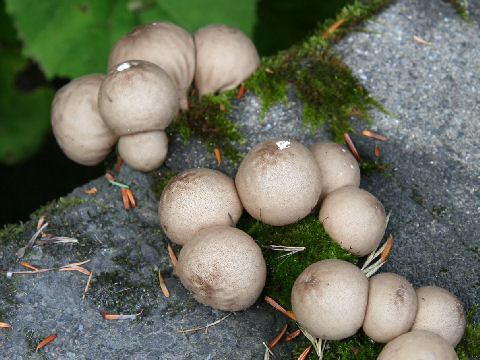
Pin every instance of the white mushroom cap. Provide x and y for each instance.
(164, 44)
(225, 58)
(144, 151)
(76, 122)
(418, 345)
(354, 219)
(197, 199)
(329, 299)
(137, 96)
(339, 167)
(223, 267)
(391, 308)
(440, 311)
(279, 181)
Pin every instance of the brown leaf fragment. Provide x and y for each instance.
(45, 341)
(92, 190)
(173, 257)
(293, 335)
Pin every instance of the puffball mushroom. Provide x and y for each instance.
(196, 199)
(225, 58)
(418, 345)
(339, 167)
(440, 312)
(329, 299)
(223, 267)
(354, 219)
(391, 307)
(279, 181)
(164, 44)
(77, 124)
(138, 97)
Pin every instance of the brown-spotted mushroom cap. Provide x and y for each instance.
(279, 181)
(329, 299)
(196, 199)
(225, 58)
(354, 219)
(164, 44)
(441, 312)
(223, 267)
(76, 122)
(144, 151)
(418, 345)
(391, 308)
(137, 96)
(339, 167)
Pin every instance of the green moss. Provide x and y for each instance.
(368, 166)
(461, 8)
(283, 270)
(160, 180)
(11, 233)
(208, 119)
(469, 347)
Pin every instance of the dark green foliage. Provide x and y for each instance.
(367, 166)
(461, 9)
(469, 347)
(160, 180)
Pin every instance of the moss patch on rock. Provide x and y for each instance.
(469, 347)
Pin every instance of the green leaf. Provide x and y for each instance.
(74, 38)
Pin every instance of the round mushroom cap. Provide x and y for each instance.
(164, 44)
(144, 151)
(418, 345)
(196, 199)
(223, 267)
(391, 307)
(339, 167)
(354, 219)
(76, 122)
(137, 96)
(329, 299)
(440, 312)
(279, 181)
(225, 58)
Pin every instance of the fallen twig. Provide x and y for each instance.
(21, 252)
(204, 327)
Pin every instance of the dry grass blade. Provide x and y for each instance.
(4, 325)
(75, 268)
(332, 28)
(45, 341)
(55, 240)
(88, 283)
(163, 286)
(21, 251)
(109, 316)
(173, 257)
(280, 308)
(268, 352)
(275, 341)
(204, 327)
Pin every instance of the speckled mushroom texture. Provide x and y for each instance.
(164, 44)
(391, 308)
(354, 219)
(223, 267)
(418, 345)
(279, 181)
(440, 311)
(329, 299)
(339, 167)
(144, 151)
(196, 199)
(225, 58)
(77, 124)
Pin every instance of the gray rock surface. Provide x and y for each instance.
(433, 93)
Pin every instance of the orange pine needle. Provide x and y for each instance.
(420, 40)
(241, 91)
(5, 325)
(40, 222)
(376, 150)
(280, 308)
(108, 316)
(332, 28)
(126, 201)
(275, 341)
(163, 286)
(352, 147)
(131, 199)
(222, 107)
(26, 264)
(109, 176)
(45, 341)
(88, 283)
(173, 257)
(304, 354)
(217, 155)
(93, 190)
(374, 135)
(293, 335)
(119, 164)
(385, 252)
(75, 268)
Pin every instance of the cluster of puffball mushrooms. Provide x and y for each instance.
(150, 71)
(279, 182)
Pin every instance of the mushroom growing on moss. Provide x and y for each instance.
(354, 219)
(225, 58)
(196, 199)
(135, 98)
(279, 181)
(77, 125)
(164, 44)
(223, 267)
